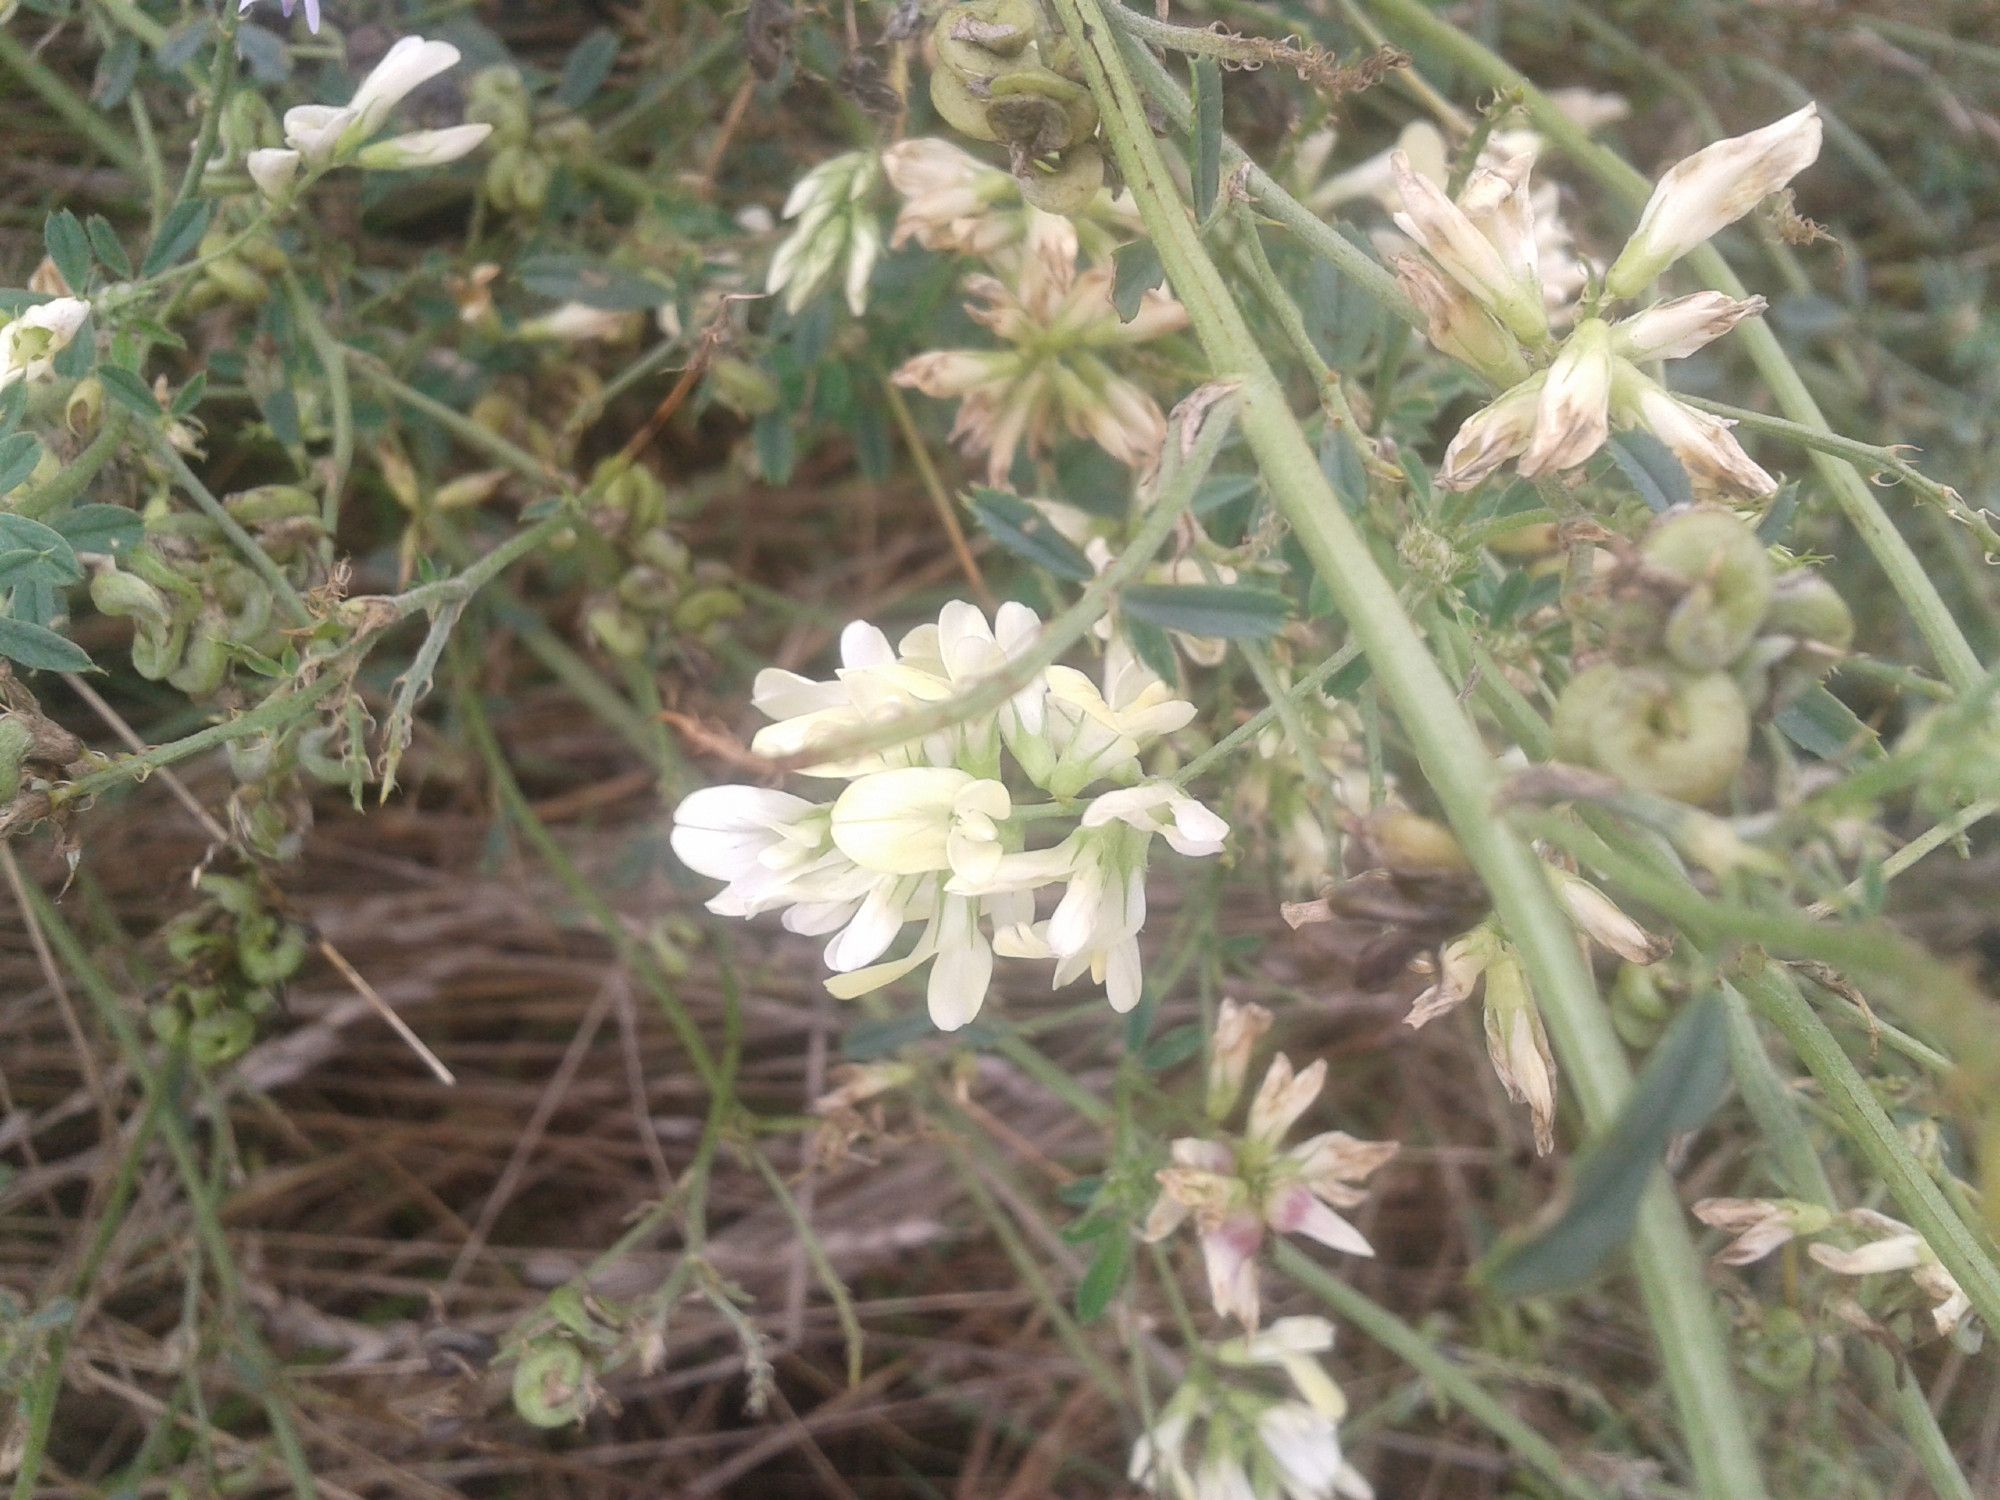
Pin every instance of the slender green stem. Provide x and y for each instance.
(273, 713)
(1258, 722)
(1892, 552)
(333, 364)
(1953, 1241)
(1448, 1378)
(221, 78)
(1455, 762)
(75, 477)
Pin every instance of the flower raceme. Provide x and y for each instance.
(835, 231)
(927, 832)
(322, 136)
(1479, 290)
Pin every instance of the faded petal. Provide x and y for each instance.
(1492, 435)
(1711, 190)
(1573, 414)
(1282, 1098)
(1674, 330)
(422, 148)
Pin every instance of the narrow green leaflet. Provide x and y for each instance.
(20, 452)
(69, 248)
(178, 236)
(40, 649)
(28, 539)
(1207, 136)
(1218, 611)
(128, 390)
(1026, 532)
(1137, 271)
(104, 240)
(110, 529)
(588, 65)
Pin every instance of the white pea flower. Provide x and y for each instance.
(1897, 1247)
(952, 201)
(1711, 190)
(1761, 1225)
(836, 232)
(922, 819)
(312, 11)
(1100, 731)
(274, 169)
(34, 336)
(320, 136)
(1235, 1190)
(1560, 405)
(1516, 1045)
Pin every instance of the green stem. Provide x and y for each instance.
(1449, 1379)
(1950, 1238)
(221, 78)
(1892, 552)
(1447, 745)
(273, 713)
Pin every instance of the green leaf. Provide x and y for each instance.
(104, 240)
(1820, 724)
(1653, 470)
(1217, 611)
(593, 282)
(1156, 649)
(1104, 1276)
(1026, 532)
(19, 535)
(1080, 1193)
(69, 248)
(1207, 136)
(1137, 272)
(108, 529)
(1172, 1048)
(178, 235)
(40, 649)
(188, 397)
(37, 601)
(19, 453)
(587, 66)
(1683, 1082)
(13, 402)
(128, 390)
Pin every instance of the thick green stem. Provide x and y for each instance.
(1893, 554)
(1454, 760)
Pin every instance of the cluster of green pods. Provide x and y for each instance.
(232, 951)
(1003, 74)
(1704, 634)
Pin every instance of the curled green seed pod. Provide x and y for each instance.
(552, 1383)
(646, 590)
(1040, 111)
(1674, 734)
(1639, 1008)
(963, 110)
(128, 596)
(272, 954)
(268, 503)
(205, 662)
(1808, 608)
(621, 633)
(1728, 577)
(1069, 187)
(156, 652)
(706, 608)
(220, 1037)
(1781, 1353)
(981, 38)
(16, 738)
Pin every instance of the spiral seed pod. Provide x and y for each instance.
(1674, 734)
(1639, 1007)
(220, 1038)
(270, 503)
(1068, 186)
(1728, 576)
(704, 609)
(552, 1383)
(205, 662)
(271, 951)
(1808, 608)
(620, 632)
(128, 596)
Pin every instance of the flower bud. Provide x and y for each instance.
(1519, 1048)
(1599, 918)
(1711, 190)
(1238, 1028)
(1676, 329)
(1714, 460)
